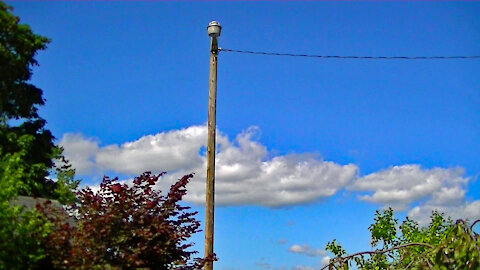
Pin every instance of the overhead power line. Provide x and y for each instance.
(355, 57)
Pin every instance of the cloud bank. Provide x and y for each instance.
(245, 172)
(248, 174)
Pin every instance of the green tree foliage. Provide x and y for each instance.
(440, 245)
(21, 234)
(27, 149)
(125, 227)
(23, 137)
(21, 230)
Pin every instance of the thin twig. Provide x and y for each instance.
(429, 264)
(408, 265)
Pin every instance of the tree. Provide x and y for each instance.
(440, 245)
(124, 227)
(23, 137)
(27, 149)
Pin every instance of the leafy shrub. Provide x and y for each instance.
(441, 245)
(124, 227)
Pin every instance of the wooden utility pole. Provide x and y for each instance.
(213, 30)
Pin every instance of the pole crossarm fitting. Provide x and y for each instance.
(214, 46)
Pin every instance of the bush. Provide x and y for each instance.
(440, 245)
(123, 227)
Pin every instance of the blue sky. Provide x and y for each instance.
(308, 148)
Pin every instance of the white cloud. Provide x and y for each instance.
(301, 267)
(80, 151)
(282, 180)
(307, 250)
(463, 210)
(245, 174)
(435, 189)
(170, 151)
(400, 186)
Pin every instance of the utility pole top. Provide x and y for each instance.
(214, 28)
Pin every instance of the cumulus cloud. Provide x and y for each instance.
(432, 189)
(399, 186)
(170, 151)
(307, 250)
(245, 172)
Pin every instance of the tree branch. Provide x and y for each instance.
(348, 257)
(473, 224)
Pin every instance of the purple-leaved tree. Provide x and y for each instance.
(124, 226)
